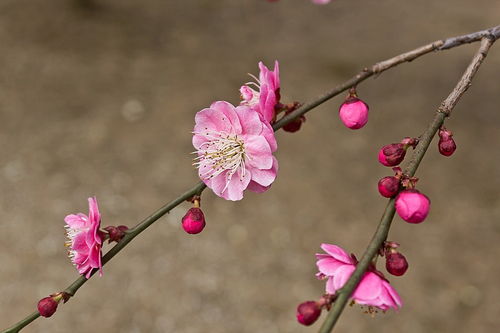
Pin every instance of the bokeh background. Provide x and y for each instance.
(98, 98)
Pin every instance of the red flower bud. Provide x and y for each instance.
(392, 155)
(446, 143)
(47, 306)
(116, 233)
(354, 113)
(412, 206)
(194, 221)
(388, 186)
(308, 312)
(396, 263)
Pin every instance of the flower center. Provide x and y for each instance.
(71, 233)
(223, 152)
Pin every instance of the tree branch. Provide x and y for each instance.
(382, 231)
(199, 187)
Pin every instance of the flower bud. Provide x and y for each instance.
(392, 155)
(354, 113)
(47, 306)
(308, 312)
(116, 233)
(396, 263)
(194, 221)
(446, 143)
(412, 206)
(388, 186)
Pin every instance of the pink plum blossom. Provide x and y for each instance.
(85, 240)
(374, 290)
(264, 94)
(234, 147)
(321, 2)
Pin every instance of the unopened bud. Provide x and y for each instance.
(295, 124)
(47, 306)
(308, 312)
(194, 221)
(392, 155)
(354, 113)
(116, 233)
(388, 186)
(396, 263)
(446, 143)
(412, 206)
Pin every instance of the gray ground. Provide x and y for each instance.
(98, 98)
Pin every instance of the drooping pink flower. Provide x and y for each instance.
(373, 290)
(85, 240)
(264, 94)
(234, 147)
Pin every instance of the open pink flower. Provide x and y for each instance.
(234, 147)
(373, 290)
(85, 241)
(321, 2)
(267, 95)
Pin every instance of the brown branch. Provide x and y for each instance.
(439, 45)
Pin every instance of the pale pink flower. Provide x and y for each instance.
(321, 2)
(373, 290)
(234, 147)
(85, 240)
(264, 94)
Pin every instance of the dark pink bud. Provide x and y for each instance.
(116, 233)
(194, 221)
(388, 186)
(446, 143)
(354, 113)
(412, 206)
(396, 263)
(308, 312)
(294, 125)
(47, 306)
(392, 155)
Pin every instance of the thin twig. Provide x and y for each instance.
(443, 44)
(199, 187)
(382, 231)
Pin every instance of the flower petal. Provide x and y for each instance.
(343, 274)
(257, 188)
(76, 221)
(337, 252)
(251, 124)
(230, 114)
(258, 153)
(369, 288)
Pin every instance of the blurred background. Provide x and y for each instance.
(99, 97)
